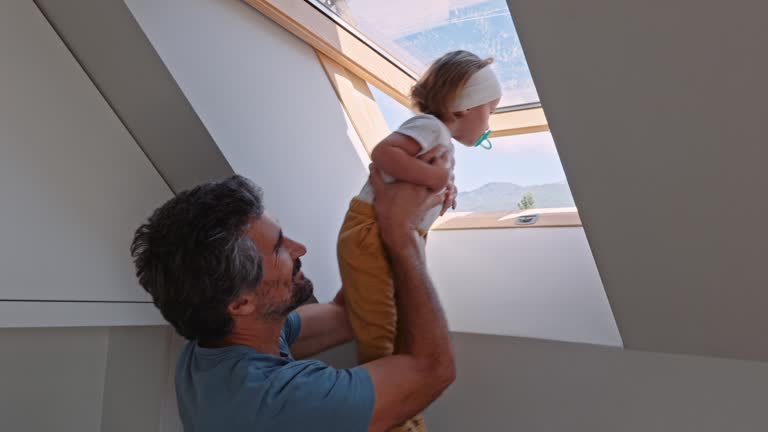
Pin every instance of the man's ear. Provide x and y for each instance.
(244, 304)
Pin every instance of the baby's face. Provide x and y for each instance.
(474, 122)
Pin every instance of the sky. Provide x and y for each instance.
(419, 31)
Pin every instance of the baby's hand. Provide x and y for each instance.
(450, 196)
(441, 155)
(442, 161)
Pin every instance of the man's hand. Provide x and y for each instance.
(400, 207)
(441, 158)
(450, 196)
(339, 299)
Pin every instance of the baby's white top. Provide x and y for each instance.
(429, 132)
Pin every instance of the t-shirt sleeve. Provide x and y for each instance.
(426, 130)
(292, 328)
(323, 398)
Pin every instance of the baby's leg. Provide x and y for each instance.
(367, 284)
(369, 291)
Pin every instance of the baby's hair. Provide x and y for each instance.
(438, 88)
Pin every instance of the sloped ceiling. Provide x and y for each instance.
(108, 43)
(658, 111)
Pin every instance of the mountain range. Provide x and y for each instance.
(505, 196)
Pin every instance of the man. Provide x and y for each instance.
(229, 280)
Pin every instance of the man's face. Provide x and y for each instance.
(283, 287)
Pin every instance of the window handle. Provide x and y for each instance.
(527, 219)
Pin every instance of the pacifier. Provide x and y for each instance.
(484, 142)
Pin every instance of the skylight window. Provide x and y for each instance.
(517, 167)
(416, 32)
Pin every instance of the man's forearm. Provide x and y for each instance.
(421, 320)
(406, 383)
(323, 326)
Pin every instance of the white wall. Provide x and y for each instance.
(658, 109)
(268, 104)
(139, 367)
(529, 282)
(510, 384)
(87, 379)
(52, 379)
(74, 184)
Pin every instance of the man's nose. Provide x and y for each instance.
(297, 249)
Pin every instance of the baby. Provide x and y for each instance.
(456, 97)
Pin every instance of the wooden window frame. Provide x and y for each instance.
(546, 218)
(358, 102)
(360, 59)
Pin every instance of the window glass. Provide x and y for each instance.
(416, 32)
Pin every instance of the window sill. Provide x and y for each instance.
(547, 218)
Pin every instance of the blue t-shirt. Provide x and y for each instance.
(237, 388)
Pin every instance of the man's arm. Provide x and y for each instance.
(405, 384)
(323, 326)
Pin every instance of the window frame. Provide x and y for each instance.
(508, 219)
(368, 121)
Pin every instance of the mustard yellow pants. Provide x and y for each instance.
(369, 292)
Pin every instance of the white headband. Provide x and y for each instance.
(481, 88)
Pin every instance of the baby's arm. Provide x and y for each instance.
(396, 156)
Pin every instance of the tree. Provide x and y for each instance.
(527, 202)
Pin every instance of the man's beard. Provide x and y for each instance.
(301, 289)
